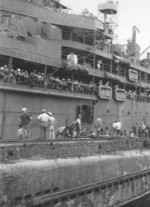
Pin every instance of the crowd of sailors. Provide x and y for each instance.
(132, 95)
(46, 122)
(142, 131)
(35, 78)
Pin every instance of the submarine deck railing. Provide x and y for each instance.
(82, 139)
(87, 189)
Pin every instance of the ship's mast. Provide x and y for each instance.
(108, 15)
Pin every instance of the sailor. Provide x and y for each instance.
(107, 84)
(78, 127)
(100, 82)
(99, 64)
(118, 127)
(72, 58)
(143, 129)
(5, 73)
(134, 129)
(98, 125)
(69, 85)
(44, 121)
(51, 126)
(24, 122)
(20, 132)
(114, 126)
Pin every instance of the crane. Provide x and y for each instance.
(142, 53)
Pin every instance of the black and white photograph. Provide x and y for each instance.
(74, 103)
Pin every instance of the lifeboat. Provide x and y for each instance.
(104, 92)
(120, 94)
(133, 75)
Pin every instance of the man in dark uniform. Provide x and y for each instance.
(24, 122)
(134, 129)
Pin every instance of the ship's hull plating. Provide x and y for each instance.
(65, 109)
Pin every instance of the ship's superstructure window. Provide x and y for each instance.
(122, 70)
(115, 69)
(142, 76)
(88, 37)
(148, 78)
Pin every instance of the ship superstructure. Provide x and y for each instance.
(37, 37)
(70, 64)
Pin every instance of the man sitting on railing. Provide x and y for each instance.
(12, 76)
(1, 72)
(37, 78)
(40, 79)
(81, 88)
(95, 89)
(69, 85)
(57, 83)
(107, 84)
(75, 86)
(63, 85)
(51, 82)
(4, 73)
(32, 78)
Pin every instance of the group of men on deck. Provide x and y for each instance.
(46, 120)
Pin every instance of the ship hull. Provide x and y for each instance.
(64, 106)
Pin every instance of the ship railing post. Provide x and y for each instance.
(3, 116)
(45, 77)
(71, 36)
(93, 84)
(9, 68)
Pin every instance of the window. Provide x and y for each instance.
(142, 76)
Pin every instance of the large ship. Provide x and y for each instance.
(69, 64)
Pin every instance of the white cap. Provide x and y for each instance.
(50, 113)
(24, 109)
